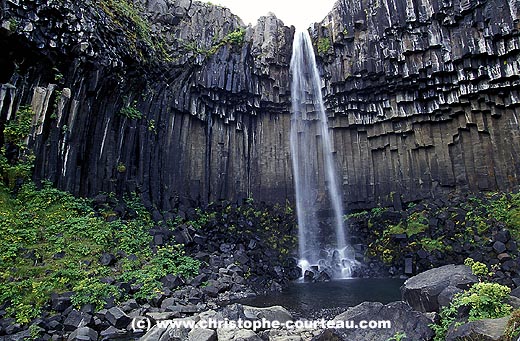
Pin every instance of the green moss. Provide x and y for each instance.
(235, 38)
(324, 45)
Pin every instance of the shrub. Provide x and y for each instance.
(484, 300)
(16, 160)
(324, 45)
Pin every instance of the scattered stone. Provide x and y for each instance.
(237, 334)
(499, 247)
(107, 259)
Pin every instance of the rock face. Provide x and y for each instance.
(483, 330)
(429, 290)
(422, 96)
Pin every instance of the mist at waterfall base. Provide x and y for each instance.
(325, 255)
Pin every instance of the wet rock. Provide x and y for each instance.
(172, 281)
(112, 333)
(421, 292)
(274, 313)
(60, 302)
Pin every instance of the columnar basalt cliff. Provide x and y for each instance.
(183, 102)
(423, 96)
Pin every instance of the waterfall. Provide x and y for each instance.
(315, 177)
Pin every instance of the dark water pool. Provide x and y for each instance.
(328, 299)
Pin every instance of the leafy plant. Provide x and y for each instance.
(131, 112)
(398, 336)
(16, 160)
(477, 268)
(51, 242)
(92, 291)
(484, 300)
(324, 45)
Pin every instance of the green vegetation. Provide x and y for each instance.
(127, 16)
(485, 300)
(414, 227)
(399, 336)
(498, 207)
(479, 269)
(472, 221)
(235, 38)
(272, 225)
(51, 242)
(13, 24)
(121, 167)
(131, 112)
(324, 45)
(16, 160)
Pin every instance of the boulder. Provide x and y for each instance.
(482, 330)
(117, 318)
(274, 313)
(422, 291)
(76, 320)
(399, 316)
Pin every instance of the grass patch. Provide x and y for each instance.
(51, 242)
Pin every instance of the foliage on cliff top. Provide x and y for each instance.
(234, 38)
(52, 242)
(136, 27)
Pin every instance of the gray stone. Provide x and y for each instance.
(274, 313)
(200, 334)
(118, 318)
(83, 334)
(421, 292)
(482, 330)
(401, 316)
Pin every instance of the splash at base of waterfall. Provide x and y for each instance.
(331, 264)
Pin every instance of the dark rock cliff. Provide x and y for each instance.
(422, 97)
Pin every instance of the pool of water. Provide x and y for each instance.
(328, 299)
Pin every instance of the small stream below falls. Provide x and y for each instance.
(328, 299)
